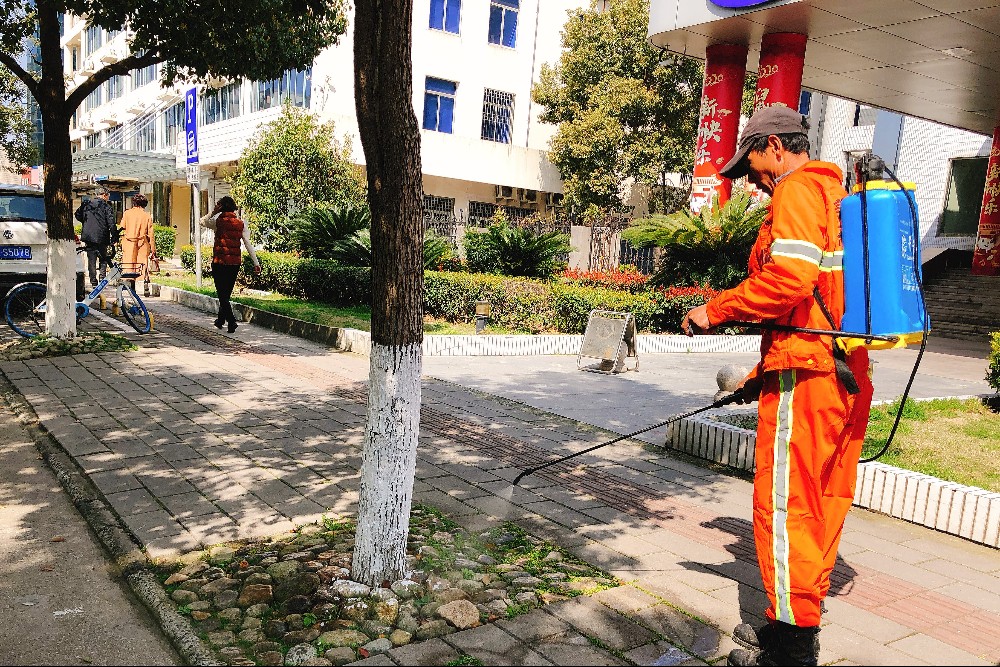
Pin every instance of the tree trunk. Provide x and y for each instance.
(383, 78)
(60, 318)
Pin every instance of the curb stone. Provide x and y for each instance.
(124, 554)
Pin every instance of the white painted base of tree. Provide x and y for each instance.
(60, 296)
(388, 462)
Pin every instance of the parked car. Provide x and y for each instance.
(24, 239)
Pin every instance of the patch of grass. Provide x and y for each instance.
(953, 439)
(316, 312)
(332, 525)
(465, 659)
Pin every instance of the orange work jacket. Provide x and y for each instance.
(798, 249)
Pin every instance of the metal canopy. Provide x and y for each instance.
(123, 165)
(933, 59)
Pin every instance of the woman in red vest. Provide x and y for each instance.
(226, 255)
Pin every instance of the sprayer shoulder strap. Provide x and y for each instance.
(844, 373)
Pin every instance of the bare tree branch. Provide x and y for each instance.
(123, 66)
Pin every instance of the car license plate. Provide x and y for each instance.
(15, 252)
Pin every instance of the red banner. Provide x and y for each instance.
(779, 77)
(719, 125)
(986, 258)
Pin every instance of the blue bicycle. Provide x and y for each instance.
(24, 305)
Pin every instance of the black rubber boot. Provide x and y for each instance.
(779, 644)
(747, 637)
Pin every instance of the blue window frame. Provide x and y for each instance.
(439, 105)
(446, 15)
(294, 86)
(503, 22)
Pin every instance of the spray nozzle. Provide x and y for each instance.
(869, 168)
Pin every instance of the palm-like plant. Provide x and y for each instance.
(318, 231)
(356, 250)
(709, 248)
(519, 251)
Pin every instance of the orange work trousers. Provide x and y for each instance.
(809, 438)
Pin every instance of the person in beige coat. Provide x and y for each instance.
(138, 242)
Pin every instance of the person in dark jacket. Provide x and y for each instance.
(98, 233)
(227, 257)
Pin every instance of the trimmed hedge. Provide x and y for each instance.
(166, 240)
(519, 304)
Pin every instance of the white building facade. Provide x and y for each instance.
(474, 64)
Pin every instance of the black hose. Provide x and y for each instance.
(725, 400)
(926, 318)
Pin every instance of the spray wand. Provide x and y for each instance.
(734, 397)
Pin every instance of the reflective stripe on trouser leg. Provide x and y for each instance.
(780, 490)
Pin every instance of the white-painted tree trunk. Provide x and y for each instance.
(388, 462)
(60, 296)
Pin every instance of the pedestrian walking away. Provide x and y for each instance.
(99, 231)
(226, 255)
(138, 239)
(813, 398)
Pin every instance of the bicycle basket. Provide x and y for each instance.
(132, 269)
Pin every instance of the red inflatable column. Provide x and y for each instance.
(986, 258)
(779, 77)
(719, 125)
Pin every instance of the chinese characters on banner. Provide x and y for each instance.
(986, 257)
(718, 125)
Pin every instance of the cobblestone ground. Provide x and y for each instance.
(202, 437)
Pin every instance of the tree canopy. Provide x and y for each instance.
(294, 164)
(625, 109)
(15, 125)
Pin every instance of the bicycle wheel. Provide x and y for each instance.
(134, 311)
(25, 309)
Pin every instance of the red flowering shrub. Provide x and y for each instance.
(623, 278)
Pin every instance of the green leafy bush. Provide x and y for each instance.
(993, 371)
(709, 248)
(516, 251)
(166, 240)
(188, 258)
(319, 231)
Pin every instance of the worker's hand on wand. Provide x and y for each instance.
(696, 322)
(749, 388)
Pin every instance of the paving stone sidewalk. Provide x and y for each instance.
(202, 437)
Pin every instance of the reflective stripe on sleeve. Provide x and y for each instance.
(793, 249)
(832, 261)
(780, 486)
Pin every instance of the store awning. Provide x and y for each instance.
(121, 165)
(933, 59)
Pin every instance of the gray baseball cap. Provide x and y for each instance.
(102, 191)
(764, 123)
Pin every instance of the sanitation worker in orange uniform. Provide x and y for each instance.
(813, 397)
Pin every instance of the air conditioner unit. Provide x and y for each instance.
(529, 196)
(112, 56)
(167, 94)
(136, 108)
(88, 67)
(504, 192)
(86, 123)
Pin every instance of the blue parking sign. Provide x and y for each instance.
(191, 125)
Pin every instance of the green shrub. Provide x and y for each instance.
(709, 248)
(319, 231)
(515, 251)
(993, 371)
(166, 240)
(188, 257)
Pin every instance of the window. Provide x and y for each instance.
(439, 105)
(145, 136)
(445, 15)
(116, 87)
(220, 104)
(481, 213)
(95, 99)
(144, 76)
(173, 125)
(294, 86)
(964, 201)
(503, 22)
(74, 59)
(94, 38)
(92, 140)
(498, 116)
(116, 137)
